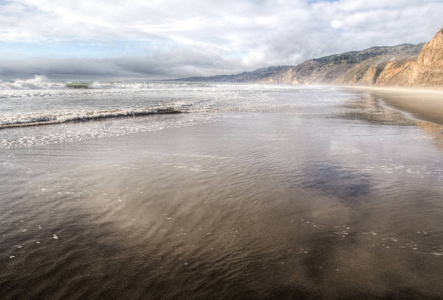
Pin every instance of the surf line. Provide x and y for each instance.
(94, 117)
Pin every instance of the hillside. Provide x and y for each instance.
(358, 67)
(254, 76)
(402, 65)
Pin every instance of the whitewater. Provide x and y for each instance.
(40, 101)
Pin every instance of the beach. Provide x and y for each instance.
(253, 192)
(419, 103)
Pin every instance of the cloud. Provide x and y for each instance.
(177, 38)
(162, 65)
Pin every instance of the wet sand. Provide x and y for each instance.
(419, 103)
(338, 201)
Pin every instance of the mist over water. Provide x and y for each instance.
(256, 192)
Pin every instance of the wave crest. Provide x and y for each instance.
(36, 120)
(41, 82)
(38, 82)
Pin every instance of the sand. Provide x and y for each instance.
(418, 103)
(333, 197)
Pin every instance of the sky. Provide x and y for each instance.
(165, 39)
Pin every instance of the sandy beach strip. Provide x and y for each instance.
(425, 104)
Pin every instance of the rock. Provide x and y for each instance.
(428, 70)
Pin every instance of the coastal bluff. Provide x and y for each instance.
(402, 65)
(428, 68)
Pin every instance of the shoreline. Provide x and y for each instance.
(421, 103)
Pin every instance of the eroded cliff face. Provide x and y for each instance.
(374, 66)
(365, 73)
(404, 65)
(396, 73)
(428, 69)
(282, 77)
(398, 66)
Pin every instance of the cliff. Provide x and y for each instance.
(358, 67)
(403, 65)
(428, 69)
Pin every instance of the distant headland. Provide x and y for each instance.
(403, 65)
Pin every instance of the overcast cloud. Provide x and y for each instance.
(169, 39)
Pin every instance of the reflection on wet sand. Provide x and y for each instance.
(425, 104)
(368, 108)
(399, 108)
(434, 131)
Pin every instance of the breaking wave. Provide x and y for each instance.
(36, 120)
(40, 82)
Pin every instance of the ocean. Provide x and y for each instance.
(176, 190)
